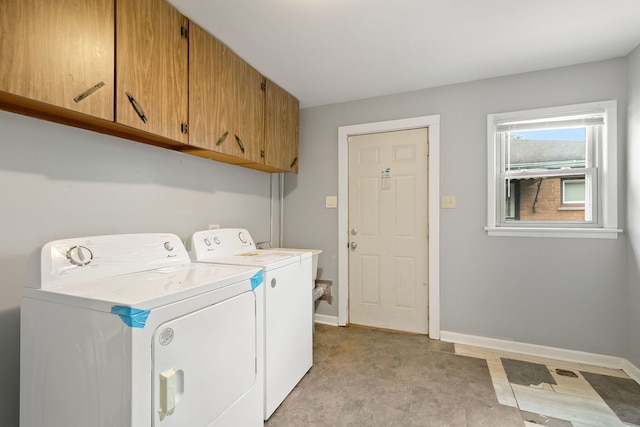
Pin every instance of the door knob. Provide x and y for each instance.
(353, 246)
(354, 231)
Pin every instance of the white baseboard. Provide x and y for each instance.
(632, 370)
(525, 348)
(326, 320)
(544, 351)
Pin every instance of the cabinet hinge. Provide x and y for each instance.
(184, 128)
(184, 32)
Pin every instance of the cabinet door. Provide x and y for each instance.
(249, 108)
(152, 68)
(210, 85)
(226, 100)
(281, 129)
(59, 52)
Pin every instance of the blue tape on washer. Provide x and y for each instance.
(133, 317)
(257, 280)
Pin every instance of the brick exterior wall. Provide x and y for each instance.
(548, 203)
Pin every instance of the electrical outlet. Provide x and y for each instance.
(214, 226)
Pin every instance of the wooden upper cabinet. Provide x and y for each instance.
(226, 100)
(281, 129)
(146, 73)
(249, 107)
(59, 52)
(152, 68)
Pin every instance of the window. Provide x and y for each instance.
(573, 191)
(553, 172)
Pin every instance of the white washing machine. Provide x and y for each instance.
(126, 331)
(288, 323)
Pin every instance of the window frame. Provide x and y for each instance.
(602, 172)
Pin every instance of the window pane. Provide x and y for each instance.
(543, 199)
(573, 191)
(547, 149)
(512, 202)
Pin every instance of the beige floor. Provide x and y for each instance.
(571, 399)
(364, 377)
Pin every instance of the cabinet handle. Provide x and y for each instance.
(294, 162)
(88, 92)
(222, 138)
(137, 107)
(240, 144)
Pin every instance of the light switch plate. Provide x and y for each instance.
(331, 202)
(448, 202)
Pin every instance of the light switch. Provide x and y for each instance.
(331, 202)
(448, 202)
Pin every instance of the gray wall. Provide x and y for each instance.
(567, 293)
(633, 212)
(58, 182)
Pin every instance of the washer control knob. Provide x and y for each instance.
(216, 240)
(79, 255)
(168, 246)
(207, 241)
(242, 237)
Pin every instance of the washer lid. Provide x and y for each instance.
(264, 258)
(147, 290)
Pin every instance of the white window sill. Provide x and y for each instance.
(574, 233)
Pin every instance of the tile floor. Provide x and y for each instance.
(557, 393)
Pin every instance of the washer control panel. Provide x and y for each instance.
(210, 244)
(86, 258)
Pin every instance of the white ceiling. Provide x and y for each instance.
(328, 51)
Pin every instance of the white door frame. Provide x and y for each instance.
(433, 123)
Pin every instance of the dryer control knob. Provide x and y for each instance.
(216, 240)
(207, 241)
(168, 246)
(242, 237)
(79, 255)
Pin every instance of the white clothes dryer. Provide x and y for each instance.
(288, 353)
(126, 331)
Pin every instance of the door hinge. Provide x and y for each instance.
(184, 32)
(184, 128)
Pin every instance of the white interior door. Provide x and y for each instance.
(388, 230)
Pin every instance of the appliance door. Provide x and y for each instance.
(203, 364)
(288, 330)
